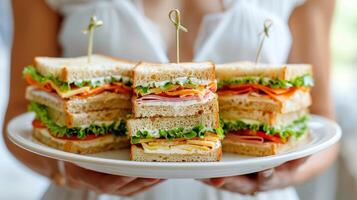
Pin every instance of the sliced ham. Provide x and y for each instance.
(160, 98)
(245, 138)
(278, 94)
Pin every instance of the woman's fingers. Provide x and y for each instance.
(106, 183)
(215, 182)
(137, 186)
(280, 176)
(241, 184)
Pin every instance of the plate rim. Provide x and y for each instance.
(71, 157)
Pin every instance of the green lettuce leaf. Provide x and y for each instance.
(30, 70)
(295, 129)
(116, 128)
(305, 80)
(188, 83)
(197, 131)
(66, 86)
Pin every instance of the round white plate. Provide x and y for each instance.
(324, 133)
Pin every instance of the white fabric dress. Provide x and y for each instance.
(223, 37)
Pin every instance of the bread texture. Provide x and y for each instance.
(100, 144)
(265, 149)
(167, 123)
(269, 118)
(145, 73)
(138, 154)
(299, 100)
(72, 69)
(102, 101)
(174, 108)
(242, 69)
(84, 119)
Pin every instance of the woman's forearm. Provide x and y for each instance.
(315, 165)
(35, 34)
(310, 26)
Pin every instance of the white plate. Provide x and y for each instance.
(324, 133)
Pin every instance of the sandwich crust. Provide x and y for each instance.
(265, 149)
(167, 123)
(100, 144)
(71, 120)
(137, 154)
(269, 118)
(299, 100)
(242, 69)
(145, 73)
(102, 101)
(72, 69)
(175, 109)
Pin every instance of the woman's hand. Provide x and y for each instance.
(279, 177)
(77, 177)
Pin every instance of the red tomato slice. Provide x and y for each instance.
(38, 124)
(270, 137)
(260, 134)
(29, 80)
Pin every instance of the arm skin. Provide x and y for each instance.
(36, 28)
(310, 26)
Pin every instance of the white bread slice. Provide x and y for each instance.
(242, 69)
(85, 119)
(175, 109)
(138, 154)
(145, 73)
(299, 100)
(72, 69)
(100, 144)
(265, 149)
(102, 101)
(270, 118)
(167, 123)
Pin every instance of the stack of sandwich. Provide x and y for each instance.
(264, 108)
(175, 113)
(80, 107)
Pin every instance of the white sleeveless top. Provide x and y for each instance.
(223, 37)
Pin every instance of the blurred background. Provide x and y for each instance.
(18, 182)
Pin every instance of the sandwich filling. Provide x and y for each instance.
(43, 120)
(179, 140)
(259, 86)
(243, 131)
(81, 88)
(183, 88)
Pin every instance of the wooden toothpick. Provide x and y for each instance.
(93, 24)
(175, 18)
(265, 34)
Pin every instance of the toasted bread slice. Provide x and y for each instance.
(265, 149)
(145, 73)
(72, 69)
(175, 109)
(299, 100)
(100, 144)
(242, 69)
(167, 123)
(84, 119)
(262, 117)
(102, 101)
(138, 154)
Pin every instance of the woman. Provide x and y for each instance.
(140, 30)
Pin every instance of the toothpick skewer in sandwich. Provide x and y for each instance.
(175, 113)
